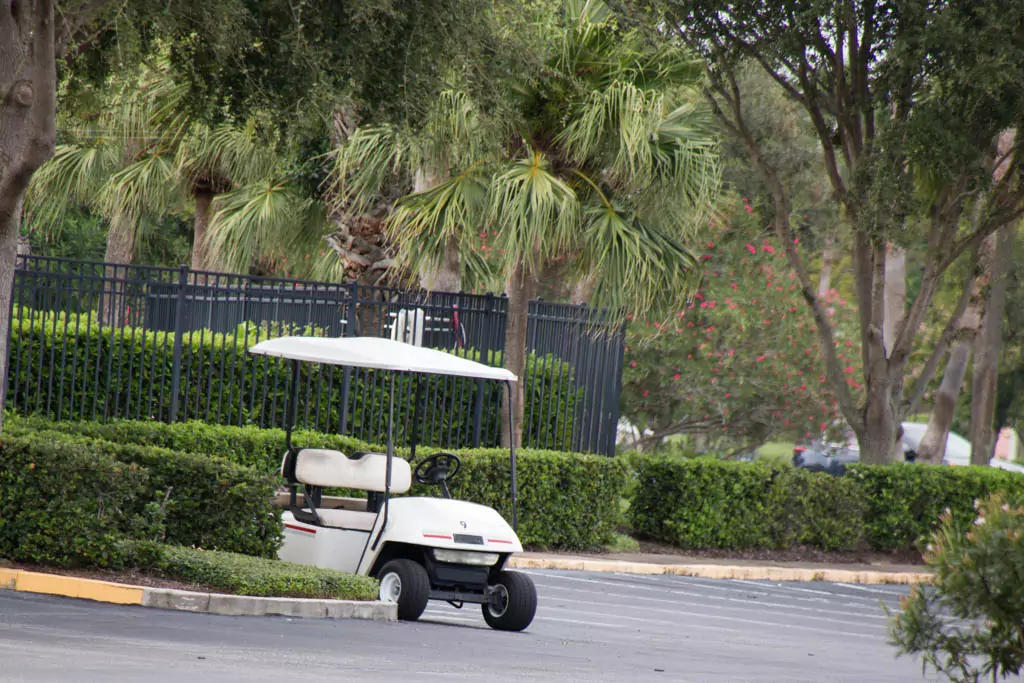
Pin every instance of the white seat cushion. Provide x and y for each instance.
(347, 519)
(327, 468)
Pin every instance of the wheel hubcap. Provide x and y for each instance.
(499, 603)
(390, 588)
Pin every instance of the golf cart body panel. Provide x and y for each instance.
(421, 548)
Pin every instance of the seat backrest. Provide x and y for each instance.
(367, 472)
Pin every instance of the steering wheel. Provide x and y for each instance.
(438, 470)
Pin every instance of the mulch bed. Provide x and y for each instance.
(792, 555)
(132, 577)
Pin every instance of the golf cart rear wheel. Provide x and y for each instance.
(515, 605)
(405, 582)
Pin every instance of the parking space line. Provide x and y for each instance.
(755, 622)
(853, 602)
(745, 605)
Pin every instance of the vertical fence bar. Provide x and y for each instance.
(346, 374)
(179, 331)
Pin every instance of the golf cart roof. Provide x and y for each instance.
(379, 354)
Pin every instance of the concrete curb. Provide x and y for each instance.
(189, 601)
(719, 571)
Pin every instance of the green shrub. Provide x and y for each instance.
(71, 367)
(70, 505)
(904, 502)
(244, 575)
(709, 503)
(566, 500)
(978, 582)
(205, 501)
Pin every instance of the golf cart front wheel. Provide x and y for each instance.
(513, 604)
(405, 582)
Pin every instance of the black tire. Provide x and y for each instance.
(519, 604)
(413, 587)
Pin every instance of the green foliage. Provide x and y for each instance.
(967, 624)
(741, 361)
(566, 500)
(199, 500)
(57, 358)
(905, 502)
(68, 505)
(245, 575)
(711, 503)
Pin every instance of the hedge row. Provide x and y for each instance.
(68, 366)
(52, 478)
(244, 575)
(710, 503)
(566, 500)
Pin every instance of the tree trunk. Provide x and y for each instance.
(828, 262)
(445, 277)
(28, 112)
(201, 236)
(895, 295)
(520, 291)
(933, 446)
(9, 228)
(987, 348)
(120, 248)
(584, 289)
(878, 438)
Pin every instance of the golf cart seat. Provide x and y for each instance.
(319, 468)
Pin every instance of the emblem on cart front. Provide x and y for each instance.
(463, 524)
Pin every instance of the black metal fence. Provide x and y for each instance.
(102, 341)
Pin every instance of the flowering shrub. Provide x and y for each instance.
(969, 625)
(741, 359)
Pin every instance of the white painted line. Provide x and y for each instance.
(850, 601)
(745, 606)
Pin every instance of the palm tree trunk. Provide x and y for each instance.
(120, 249)
(987, 348)
(520, 291)
(201, 236)
(445, 277)
(933, 446)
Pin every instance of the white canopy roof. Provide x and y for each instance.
(377, 353)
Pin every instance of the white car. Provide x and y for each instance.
(420, 548)
(958, 449)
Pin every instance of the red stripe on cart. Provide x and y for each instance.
(300, 528)
(498, 540)
(444, 536)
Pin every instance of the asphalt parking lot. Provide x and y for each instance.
(589, 627)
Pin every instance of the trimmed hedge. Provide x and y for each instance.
(244, 575)
(70, 366)
(203, 501)
(566, 500)
(66, 505)
(710, 503)
(904, 502)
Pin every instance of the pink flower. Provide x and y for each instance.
(751, 248)
(768, 249)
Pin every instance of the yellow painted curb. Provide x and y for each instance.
(716, 571)
(70, 586)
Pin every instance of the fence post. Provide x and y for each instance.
(346, 373)
(179, 330)
(478, 395)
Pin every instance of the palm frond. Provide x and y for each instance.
(536, 213)
(422, 224)
(145, 187)
(74, 176)
(362, 165)
(637, 266)
(224, 155)
(271, 217)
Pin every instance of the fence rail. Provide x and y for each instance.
(102, 341)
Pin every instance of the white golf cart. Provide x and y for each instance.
(419, 548)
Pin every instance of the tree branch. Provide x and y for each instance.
(949, 333)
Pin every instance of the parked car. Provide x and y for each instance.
(835, 457)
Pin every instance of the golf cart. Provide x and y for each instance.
(420, 548)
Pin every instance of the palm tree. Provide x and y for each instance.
(608, 161)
